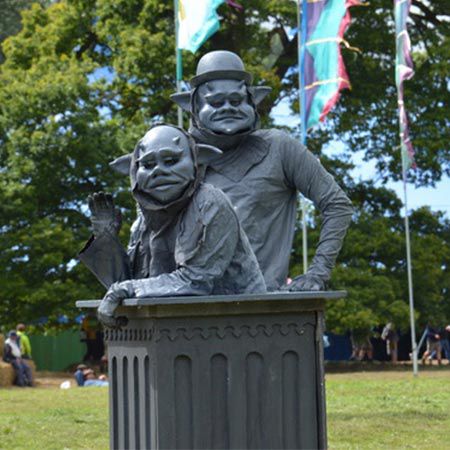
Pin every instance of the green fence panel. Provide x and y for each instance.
(57, 353)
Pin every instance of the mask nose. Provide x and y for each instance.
(159, 170)
(229, 107)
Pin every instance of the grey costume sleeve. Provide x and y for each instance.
(139, 249)
(305, 173)
(106, 259)
(204, 250)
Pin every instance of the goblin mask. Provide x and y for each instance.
(223, 107)
(165, 164)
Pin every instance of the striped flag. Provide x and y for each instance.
(323, 73)
(403, 71)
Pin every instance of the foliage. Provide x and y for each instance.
(372, 264)
(84, 79)
(10, 19)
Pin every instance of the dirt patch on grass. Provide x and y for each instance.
(53, 379)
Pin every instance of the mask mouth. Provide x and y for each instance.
(164, 186)
(219, 119)
(229, 116)
(162, 183)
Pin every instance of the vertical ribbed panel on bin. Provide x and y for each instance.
(214, 382)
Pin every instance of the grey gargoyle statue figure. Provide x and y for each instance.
(262, 171)
(187, 239)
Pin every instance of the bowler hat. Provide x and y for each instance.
(220, 64)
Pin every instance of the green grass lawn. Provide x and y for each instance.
(373, 410)
(52, 418)
(389, 410)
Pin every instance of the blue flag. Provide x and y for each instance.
(197, 21)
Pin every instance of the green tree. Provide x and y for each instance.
(372, 264)
(10, 18)
(83, 80)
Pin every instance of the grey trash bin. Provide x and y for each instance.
(229, 372)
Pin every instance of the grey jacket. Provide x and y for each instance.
(262, 176)
(203, 251)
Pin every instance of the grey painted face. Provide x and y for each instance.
(223, 107)
(165, 164)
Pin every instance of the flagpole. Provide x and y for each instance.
(179, 62)
(409, 271)
(301, 83)
(404, 70)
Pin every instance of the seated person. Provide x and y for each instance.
(25, 346)
(79, 377)
(85, 377)
(187, 239)
(13, 355)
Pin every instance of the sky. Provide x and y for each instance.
(437, 198)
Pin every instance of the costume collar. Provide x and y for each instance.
(235, 163)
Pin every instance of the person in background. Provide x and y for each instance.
(13, 355)
(104, 363)
(433, 345)
(85, 377)
(445, 343)
(25, 346)
(89, 328)
(79, 374)
(391, 337)
(361, 346)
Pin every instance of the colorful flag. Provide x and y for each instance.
(323, 73)
(235, 5)
(197, 21)
(403, 71)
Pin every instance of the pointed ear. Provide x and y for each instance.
(206, 153)
(259, 93)
(121, 164)
(182, 99)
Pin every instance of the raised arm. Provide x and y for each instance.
(103, 254)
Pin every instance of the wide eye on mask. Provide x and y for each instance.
(215, 103)
(171, 161)
(148, 165)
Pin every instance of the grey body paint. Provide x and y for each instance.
(262, 176)
(262, 171)
(189, 245)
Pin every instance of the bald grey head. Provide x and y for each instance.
(169, 136)
(163, 136)
(165, 163)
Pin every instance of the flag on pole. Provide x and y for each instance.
(197, 21)
(323, 73)
(403, 71)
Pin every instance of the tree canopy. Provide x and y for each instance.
(84, 79)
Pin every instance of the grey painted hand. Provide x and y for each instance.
(306, 282)
(104, 215)
(112, 299)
